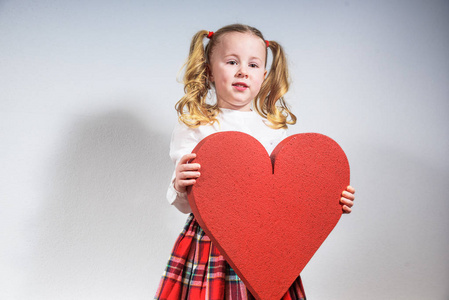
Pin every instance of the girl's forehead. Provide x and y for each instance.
(239, 38)
(240, 42)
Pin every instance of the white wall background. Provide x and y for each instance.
(87, 90)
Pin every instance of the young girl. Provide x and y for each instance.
(248, 99)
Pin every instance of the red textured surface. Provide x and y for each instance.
(268, 219)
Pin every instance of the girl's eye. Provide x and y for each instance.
(232, 62)
(253, 65)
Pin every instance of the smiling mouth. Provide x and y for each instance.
(240, 85)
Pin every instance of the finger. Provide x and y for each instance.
(350, 189)
(346, 209)
(185, 183)
(347, 202)
(348, 195)
(189, 175)
(185, 159)
(189, 167)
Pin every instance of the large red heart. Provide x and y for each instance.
(268, 217)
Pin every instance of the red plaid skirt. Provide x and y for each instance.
(197, 271)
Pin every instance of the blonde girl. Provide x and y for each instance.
(248, 99)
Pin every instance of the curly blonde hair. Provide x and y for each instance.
(194, 111)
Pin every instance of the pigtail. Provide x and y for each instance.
(270, 102)
(192, 108)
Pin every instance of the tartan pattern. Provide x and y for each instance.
(197, 271)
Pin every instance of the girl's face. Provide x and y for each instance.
(237, 69)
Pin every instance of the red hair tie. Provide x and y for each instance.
(210, 34)
(268, 43)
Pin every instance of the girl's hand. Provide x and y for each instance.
(186, 173)
(347, 199)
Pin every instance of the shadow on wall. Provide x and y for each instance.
(104, 213)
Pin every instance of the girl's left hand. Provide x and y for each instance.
(347, 199)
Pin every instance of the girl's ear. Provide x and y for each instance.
(265, 74)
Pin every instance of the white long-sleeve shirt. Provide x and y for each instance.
(184, 139)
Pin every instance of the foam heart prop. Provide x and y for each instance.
(268, 216)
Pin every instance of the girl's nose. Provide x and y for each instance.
(242, 72)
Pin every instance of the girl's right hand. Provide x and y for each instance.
(186, 173)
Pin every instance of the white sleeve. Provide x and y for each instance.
(183, 141)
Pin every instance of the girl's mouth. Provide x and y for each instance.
(241, 86)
